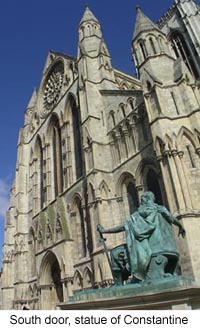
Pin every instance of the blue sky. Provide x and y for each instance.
(29, 29)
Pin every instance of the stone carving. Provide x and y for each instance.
(150, 251)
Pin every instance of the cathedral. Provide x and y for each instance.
(94, 139)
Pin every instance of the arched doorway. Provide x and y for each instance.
(50, 281)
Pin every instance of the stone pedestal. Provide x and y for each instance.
(171, 293)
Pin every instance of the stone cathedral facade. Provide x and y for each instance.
(94, 139)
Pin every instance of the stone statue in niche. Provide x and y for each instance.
(150, 251)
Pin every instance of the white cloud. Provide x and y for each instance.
(4, 197)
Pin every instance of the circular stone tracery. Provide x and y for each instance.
(53, 87)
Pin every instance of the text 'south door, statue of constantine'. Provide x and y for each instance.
(150, 251)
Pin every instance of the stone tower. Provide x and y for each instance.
(172, 102)
(181, 25)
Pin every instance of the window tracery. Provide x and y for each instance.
(181, 49)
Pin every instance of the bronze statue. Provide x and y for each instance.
(150, 251)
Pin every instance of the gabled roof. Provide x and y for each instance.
(143, 23)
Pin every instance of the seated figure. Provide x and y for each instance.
(150, 251)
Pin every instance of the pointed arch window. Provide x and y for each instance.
(81, 32)
(112, 115)
(39, 195)
(153, 185)
(116, 147)
(124, 148)
(153, 48)
(129, 194)
(132, 196)
(143, 49)
(181, 49)
(41, 167)
(130, 102)
(131, 138)
(77, 139)
(161, 43)
(91, 193)
(122, 107)
(57, 156)
(89, 30)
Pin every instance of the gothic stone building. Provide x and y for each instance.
(94, 139)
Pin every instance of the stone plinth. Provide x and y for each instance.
(173, 293)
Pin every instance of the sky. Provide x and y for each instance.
(28, 30)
